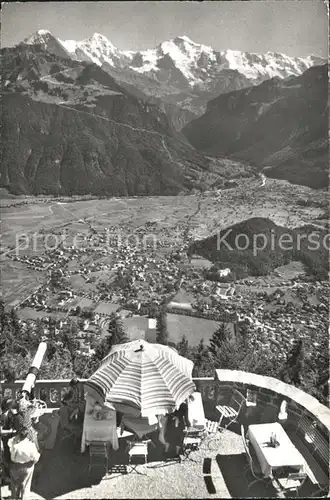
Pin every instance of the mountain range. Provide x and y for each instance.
(178, 75)
(280, 126)
(85, 117)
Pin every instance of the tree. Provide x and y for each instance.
(121, 336)
(161, 328)
(15, 322)
(322, 364)
(39, 326)
(116, 330)
(243, 353)
(217, 339)
(292, 370)
(60, 366)
(51, 350)
(101, 351)
(229, 356)
(183, 347)
(14, 366)
(86, 313)
(153, 311)
(82, 366)
(2, 310)
(203, 363)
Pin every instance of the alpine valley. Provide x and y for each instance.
(83, 117)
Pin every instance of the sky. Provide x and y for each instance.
(293, 27)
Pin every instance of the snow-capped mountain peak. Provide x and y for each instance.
(43, 32)
(188, 56)
(48, 41)
(38, 37)
(98, 37)
(97, 48)
(194, 64)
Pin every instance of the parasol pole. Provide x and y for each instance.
(34, 368)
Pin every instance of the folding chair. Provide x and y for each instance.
(192, 440)
(98, 455)
(190, 444)
(293, 481)
(137, 455)
(231, 411)
(211, 426)
(211, 432)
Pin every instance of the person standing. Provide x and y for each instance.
(23, 419)
(6, 424)
(177, 422)
(72, 400)
(24, 455)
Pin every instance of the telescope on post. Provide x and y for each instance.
(34, 369)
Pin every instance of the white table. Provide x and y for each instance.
(270, 459)
(100, 430)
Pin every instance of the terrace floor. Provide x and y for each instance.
(62, 473)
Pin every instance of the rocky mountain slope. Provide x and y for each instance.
(280, 126)
(69, 128)
(179, 74)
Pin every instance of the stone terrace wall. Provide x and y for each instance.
(268, 394)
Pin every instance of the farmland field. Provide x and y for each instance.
(17, 281)
(178, 218)
(193, 328)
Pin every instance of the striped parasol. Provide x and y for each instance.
(143, 379)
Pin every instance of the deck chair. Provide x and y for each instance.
(232, 411)
(293, 481)
(98, 455)
(253, 465)
(137, 455)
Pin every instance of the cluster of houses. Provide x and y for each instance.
(148, 274)
(38, 263)
(143, 274)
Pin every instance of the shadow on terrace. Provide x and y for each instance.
(64, 472)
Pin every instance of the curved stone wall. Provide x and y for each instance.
(306, 416)
(275, 391)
